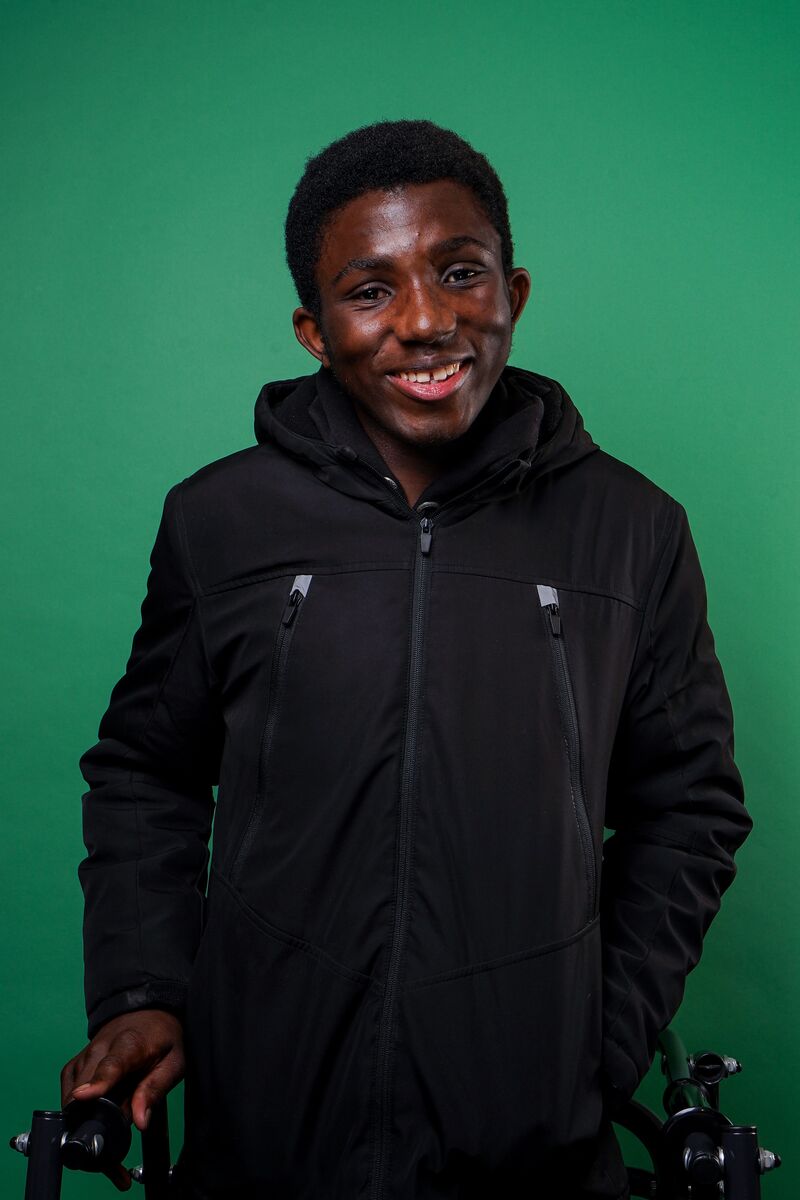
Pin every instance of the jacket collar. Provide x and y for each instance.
(529, 425)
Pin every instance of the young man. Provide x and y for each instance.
(430, 640)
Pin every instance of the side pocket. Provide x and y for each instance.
(548, 602)
(280, 661)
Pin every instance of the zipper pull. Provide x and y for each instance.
(555, 619)
(300, 586)
(425, 535)
(292, 605)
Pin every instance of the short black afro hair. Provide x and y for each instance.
(386, 155)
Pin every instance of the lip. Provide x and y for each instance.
(435, 390)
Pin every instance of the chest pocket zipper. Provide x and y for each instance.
(277, 679)
(548, 601)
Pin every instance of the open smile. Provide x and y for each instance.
(432, 383)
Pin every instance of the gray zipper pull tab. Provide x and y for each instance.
(297, 594)
(548, 599)
(425, 535)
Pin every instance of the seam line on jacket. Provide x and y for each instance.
(647, 625)
(132, 786)
(446, 568)
(585, 589)
(139, 856)
(191, 571)
(673, 731)
(648, 595)
(291, 939)
(183, 540)
(143, 736)
(130, 780)
(641, 964)
(214, 589)
(669, 843)
(505, 960)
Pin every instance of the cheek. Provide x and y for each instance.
(495, 343)
(358, 335)
(492, 322)
(351, 356)
(498, 321)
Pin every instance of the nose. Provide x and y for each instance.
(424, 315)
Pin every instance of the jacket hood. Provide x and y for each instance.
(529, 426)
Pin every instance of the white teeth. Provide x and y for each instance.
(438, 374)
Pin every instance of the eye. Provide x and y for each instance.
(370, 294)
(460, 274)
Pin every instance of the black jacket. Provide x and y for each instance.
(411, 978)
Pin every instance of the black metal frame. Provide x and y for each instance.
(697, 1153)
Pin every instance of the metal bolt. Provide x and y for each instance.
(20, 1142)
(732, 1066)
(137, 1174)
(767, 1160)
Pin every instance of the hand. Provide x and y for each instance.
(139, 1054)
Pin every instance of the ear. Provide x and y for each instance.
(308, 332)
(518, 282)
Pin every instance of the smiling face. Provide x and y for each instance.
(416, 313)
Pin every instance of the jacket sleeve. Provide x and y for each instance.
(675, 804)
(148, 812)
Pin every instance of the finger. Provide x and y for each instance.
(120, 1176)
(77, 1070)
(155, 1086)
(108, 1073)
(81, 1068)
(128, 1054)
(110, 1070)
(68, 1074)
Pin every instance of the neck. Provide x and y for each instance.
(414, 467)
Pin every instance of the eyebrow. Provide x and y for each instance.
(455, 243)
(363, 264)
(386, 264)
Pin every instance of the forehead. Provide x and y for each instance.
(403, 222)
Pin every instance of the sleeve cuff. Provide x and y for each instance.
(621, 1076)
(166, 994)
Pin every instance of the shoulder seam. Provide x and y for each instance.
(194, 581)
(657, 561)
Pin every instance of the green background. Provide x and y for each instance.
(650, 155)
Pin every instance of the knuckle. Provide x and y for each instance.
(133, 1041)
(110, 1063)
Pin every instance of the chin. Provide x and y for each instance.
(436, 435)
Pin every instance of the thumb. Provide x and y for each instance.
(155, 1085)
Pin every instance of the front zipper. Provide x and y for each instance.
(402, 505)
(386, 1028)
(548, 600)
(280, 661)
